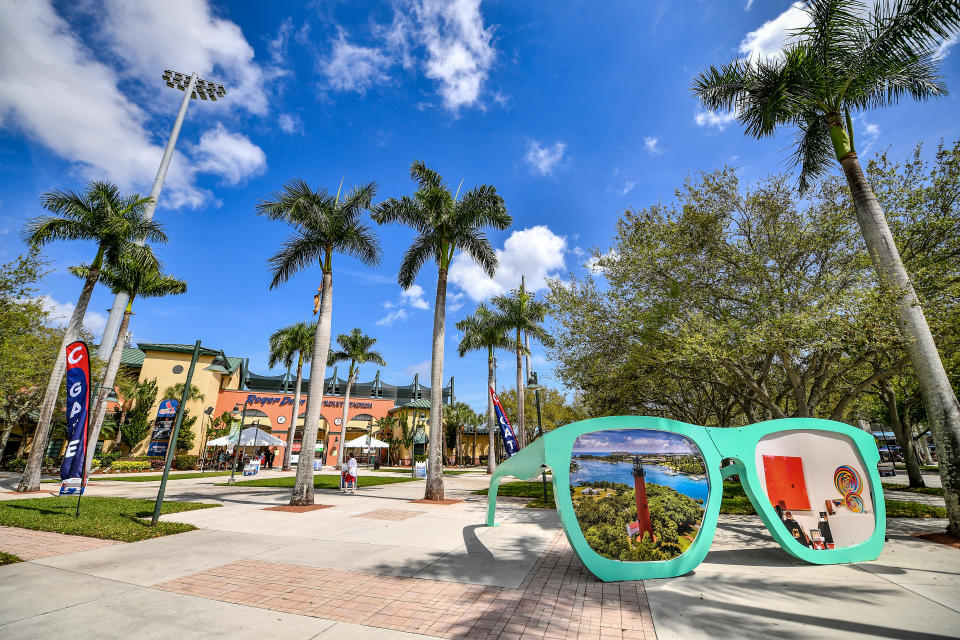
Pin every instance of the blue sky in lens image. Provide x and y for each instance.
(574, 111)
(633, 441)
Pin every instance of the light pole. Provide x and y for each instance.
(236, 452)
(193, 87)
(534, 386)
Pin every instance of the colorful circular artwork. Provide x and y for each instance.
(854, 502)
(847, 480)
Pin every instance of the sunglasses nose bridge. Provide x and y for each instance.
(732, 443)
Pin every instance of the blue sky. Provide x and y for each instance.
(574, 111)
(633, 441)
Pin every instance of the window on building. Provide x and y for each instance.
(97, 450)
(53, 448)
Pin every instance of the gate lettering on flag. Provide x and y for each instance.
(506, 431)
(78, 414)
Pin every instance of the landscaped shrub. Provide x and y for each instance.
(156, 462)
(106, 459)
(130, 465)
(52, 463)
(96, 463)
(185, 462)
(15, 464)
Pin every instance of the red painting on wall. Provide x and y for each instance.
(785, 483)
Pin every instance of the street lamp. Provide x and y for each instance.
(193, 87)
(236, 452)
(534, 385)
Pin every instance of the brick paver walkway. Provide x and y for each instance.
(31, 545)
(558, 599)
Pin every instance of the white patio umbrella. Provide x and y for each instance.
(362, 443)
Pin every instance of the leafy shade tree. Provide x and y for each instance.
(521, 313)
(555, 410)
(386, 431)
(294, 341)
(137, 277)
(355, 348)
(114, 222)
(133, 415)
(849, 59)
(323, 225)
(186, 435)
(483, 331)
(444, 223)
(28, 345)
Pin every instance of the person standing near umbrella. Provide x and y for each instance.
(350, 475)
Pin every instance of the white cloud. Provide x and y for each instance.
(652, 145)
(748, 5)
(393, 316)
(544, 159)
(59, 95)
(770, 38)
(185, 35)
(60, 313)
(869, 132)
(627, 187)
(278, 46)
(289, 123)
(459, 50)
(714, 119)
(229, 155)
(354, 68)
(536, 253)
(414, 297)
(423, 368)
(944, 49)
(455, 301)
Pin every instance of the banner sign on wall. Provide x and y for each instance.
(506, 431)
(162, 428)
(78, 414)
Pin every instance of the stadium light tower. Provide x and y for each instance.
(193, 88)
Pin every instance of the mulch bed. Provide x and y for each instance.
(446, 501)
(303, 508)
(940, 538)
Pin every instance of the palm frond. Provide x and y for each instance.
(426, 178)
(722, 88)
(483, 207)
(475, 244)
(362, 243)
(424, 248)
(298, 251)
(37, 232)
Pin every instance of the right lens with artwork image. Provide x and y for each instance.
(818, 486)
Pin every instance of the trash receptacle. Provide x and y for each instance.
(376, 464)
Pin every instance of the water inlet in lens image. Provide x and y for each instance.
(638, 494)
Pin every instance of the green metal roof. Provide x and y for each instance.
(132, 357)
(232, 363)
(420, 403)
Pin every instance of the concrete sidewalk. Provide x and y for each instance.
(404, 568)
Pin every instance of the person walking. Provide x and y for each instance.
(350, 474)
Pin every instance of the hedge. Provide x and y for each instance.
(130, 465)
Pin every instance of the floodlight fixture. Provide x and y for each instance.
(203, 89)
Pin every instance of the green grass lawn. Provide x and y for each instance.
(154, 477)
(735, 500)
(8, 558)
(107, 518)
(931, 491)
(319, 482)
(923, 467)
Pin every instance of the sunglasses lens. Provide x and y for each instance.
(818, 485)
(638, 494)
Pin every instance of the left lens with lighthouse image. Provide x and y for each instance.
(639, 494)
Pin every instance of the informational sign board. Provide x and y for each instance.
(420, 470)
(162, 428)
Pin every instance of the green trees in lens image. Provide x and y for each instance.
(605, 511)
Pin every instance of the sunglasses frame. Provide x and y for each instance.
(554, 450)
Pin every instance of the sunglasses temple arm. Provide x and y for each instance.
(524, 464)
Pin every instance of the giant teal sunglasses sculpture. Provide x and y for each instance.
(835, 455)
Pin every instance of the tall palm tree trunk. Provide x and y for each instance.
(939, 400)
(30, 481)
(109, 377)
(303, 486)
(434, 490)
(292, 431)
(521, 390)
(345, 416)
(491, 418)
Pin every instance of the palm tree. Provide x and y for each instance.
(484, 331)
(355, 349)
(385, 432)
(140, 276)
(444, 224)
(456, 416)
(295, 340)
(125, 387)
(849, 59)
(175, 392)
(115, 223)
(323, 225)
(521, 313)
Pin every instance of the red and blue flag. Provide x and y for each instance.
(72, 475)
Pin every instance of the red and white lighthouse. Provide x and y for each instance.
(640, 493)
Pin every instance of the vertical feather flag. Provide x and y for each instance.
(507, 435)
(78, 414)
